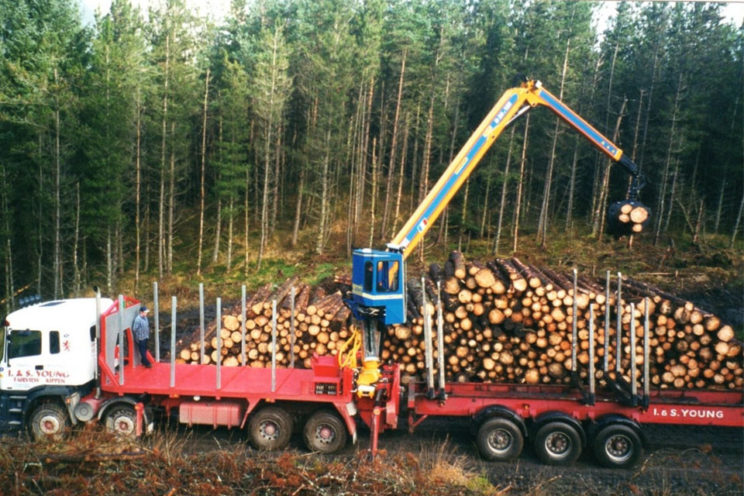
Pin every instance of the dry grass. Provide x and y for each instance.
(94, 462)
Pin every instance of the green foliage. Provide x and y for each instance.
(302, 96)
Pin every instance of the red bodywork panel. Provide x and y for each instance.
(690, 407)
(242, 387)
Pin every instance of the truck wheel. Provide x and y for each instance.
(499, 439)
(557, 443)
(617, 446)
(121, 420)
(324, 432)
(270, 428)
(49, 421)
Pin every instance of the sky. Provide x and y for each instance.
(217, 9)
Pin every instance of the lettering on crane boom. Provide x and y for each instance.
(687, 413)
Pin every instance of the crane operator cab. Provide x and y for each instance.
(377, 300)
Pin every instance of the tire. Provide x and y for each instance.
(270, 429)
(499, 439)
(557, 443)
(121, 420)
(617, 446)
(49, 421)
(325, 433)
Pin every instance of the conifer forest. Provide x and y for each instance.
(153, 142)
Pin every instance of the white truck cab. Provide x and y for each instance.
(48, 361)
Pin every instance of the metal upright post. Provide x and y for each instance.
(120, 338)
(574, 331)
(606, 357)
(427, 340)
(156, 318)
(440, 338)
(174, 304)
(592, 377)
(292, 336)
(201, 322)
(98, 337)
(619, 329)
(273, 346)
(633, 382)
(242, 325)
(218, 329)
(646, 383)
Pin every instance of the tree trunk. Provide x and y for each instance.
(542, 225)
(298, 207)
(57, 192)
(138, 189)
(75, 244)
(325, 196)
(163, 152)
(486, 208)
(202, 173)
(599, 217)
(401, 173)
(504, 191)
(424, 181)
(661, 202)
(518, 202)
(572, 184)
(720, 206)
(373, 194)
(393, 147)
(738, 222)
(171, 198)
(7, 217)
(218, 220)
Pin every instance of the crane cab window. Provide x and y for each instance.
(369, 276)
(387, 276)
(24, 343)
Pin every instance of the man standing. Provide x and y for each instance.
(141, 330)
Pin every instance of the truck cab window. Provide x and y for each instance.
(24, 343)
(54, 342)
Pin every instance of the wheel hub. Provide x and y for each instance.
(124, 425)
(500, 440)
(49, 425)
(269, 430)
(325, 434)
(558, 443)
(618, 447)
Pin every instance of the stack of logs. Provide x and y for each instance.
(507, 321)
(320, 326)
(504, 321)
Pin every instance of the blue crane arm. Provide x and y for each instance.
(511, 105)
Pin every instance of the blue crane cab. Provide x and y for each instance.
(378, 286)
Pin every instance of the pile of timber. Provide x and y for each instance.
(627, 217)
(508, 321)
(320, 326)
(504, 321)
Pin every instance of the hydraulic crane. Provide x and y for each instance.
(378, 276)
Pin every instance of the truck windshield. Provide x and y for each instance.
(24, 343)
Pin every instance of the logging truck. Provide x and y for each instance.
(68, 362)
